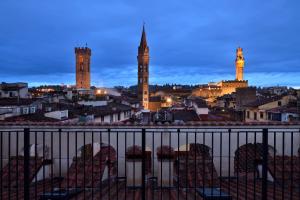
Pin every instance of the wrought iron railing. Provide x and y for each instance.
(215, 162)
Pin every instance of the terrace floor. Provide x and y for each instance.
(238, 189)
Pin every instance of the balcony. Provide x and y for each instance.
(150, 162)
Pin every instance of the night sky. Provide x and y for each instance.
(191, 42)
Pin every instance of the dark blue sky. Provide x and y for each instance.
(190, 41)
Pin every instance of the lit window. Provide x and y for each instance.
(81, 59)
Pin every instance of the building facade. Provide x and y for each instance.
(143, 71)
(239, 64)
(13, 90)
(213, 90)
(83, 77)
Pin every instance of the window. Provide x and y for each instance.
(145, 99)
(279, 103)
(81, 59)
(102, 118)
(111, 118)
(145, 92)
(119, 116)
(248, 114)
(261, 115)
(25, 111)
(255, 116)
(141, 80)
(269, 116)
(32, 110)
(145, 79)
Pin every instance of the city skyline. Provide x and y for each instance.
(42, 51)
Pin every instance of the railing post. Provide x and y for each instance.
(265, 164)
(144, 164)
(26, 163)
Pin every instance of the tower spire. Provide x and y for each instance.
(143, 42)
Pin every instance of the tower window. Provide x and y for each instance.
(81, 59)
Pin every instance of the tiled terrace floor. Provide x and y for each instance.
(117, 190)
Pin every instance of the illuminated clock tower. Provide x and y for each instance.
(239, 64)
(143, 71)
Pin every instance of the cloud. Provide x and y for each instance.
(194, 41)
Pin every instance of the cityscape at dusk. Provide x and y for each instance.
(161, 100)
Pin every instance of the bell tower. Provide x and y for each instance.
(143, 71)
(239, 64)
(83, 56)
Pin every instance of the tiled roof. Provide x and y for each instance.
(16, 101)
(118, 190)
(200, 103)
(284, 109)
(248, 156)
(185, 115)
(36, 189)
(13, 173)
(88, 170)
(285, 170)
(155, 99)
(36, 117)
(252, 189)
(262, 101)
(11, 87)
(196, 167)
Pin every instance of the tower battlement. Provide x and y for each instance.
(83, 50)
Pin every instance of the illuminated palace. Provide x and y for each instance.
(143, 71)
(214, 90)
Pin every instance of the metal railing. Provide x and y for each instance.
(81, 162)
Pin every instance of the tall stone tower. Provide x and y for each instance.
(143, 71)
(83, 78)
(239, 64)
